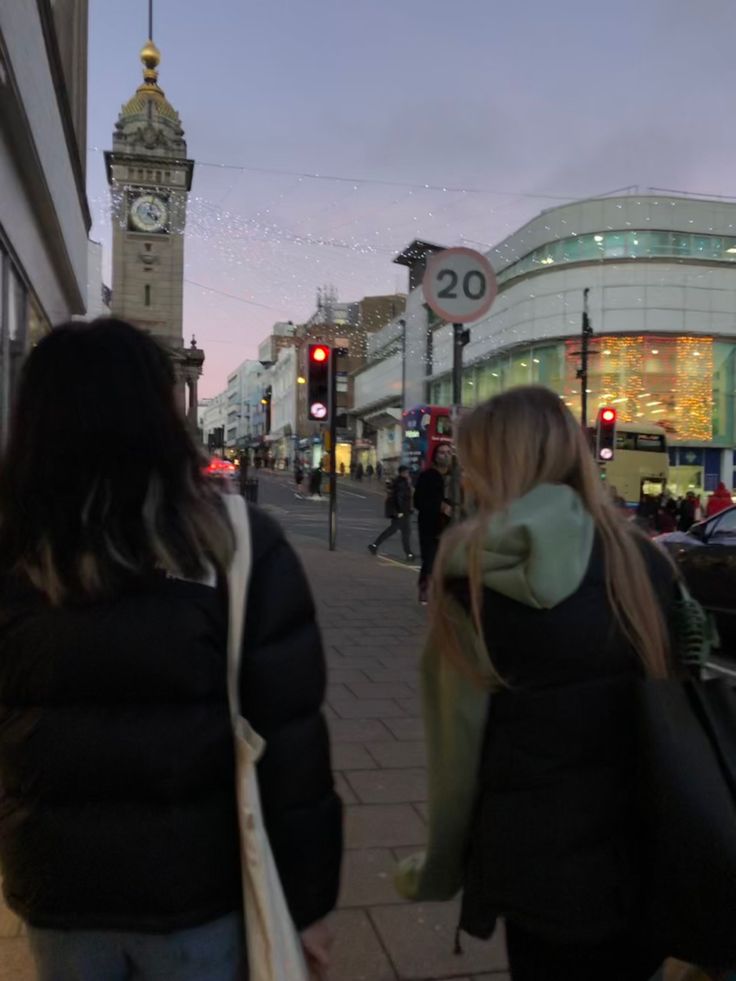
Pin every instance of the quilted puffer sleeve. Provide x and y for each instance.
(282, 688)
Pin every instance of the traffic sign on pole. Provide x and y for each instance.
(459, 285)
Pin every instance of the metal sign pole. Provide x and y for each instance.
(333, 448)
(460, 337)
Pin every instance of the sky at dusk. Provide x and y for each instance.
(512, 108)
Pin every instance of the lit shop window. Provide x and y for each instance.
(668, 380)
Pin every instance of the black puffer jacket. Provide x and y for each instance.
(117, 805)
(398, 500)
(554, 844)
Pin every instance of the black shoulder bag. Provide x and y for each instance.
(687, 784)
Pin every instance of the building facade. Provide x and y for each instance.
(246, 412)
(150, 178)
(44, 217)
(661, 271)
(212, 415)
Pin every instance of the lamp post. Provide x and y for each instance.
(300, 380)
(402, 324)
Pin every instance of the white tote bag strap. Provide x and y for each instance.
(238, 579)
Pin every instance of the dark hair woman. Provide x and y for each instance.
(118, 830)
(546, 599)
(433, 503)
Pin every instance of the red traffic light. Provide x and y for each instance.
(320, 353)
(608, 415)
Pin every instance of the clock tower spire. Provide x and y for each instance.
(150, 177)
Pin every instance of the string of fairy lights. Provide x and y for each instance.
(263, 242)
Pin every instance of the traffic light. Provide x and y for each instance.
(605, 435)
(318, 382)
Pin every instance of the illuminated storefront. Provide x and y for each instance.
(685, 384)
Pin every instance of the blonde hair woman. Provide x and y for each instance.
(546, 608)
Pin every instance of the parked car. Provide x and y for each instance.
(706, 554)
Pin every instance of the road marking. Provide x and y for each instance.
(353, 494)
(398, 562)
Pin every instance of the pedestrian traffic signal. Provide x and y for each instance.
(605, 435)
(318, 382)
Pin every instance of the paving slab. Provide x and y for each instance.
(358, 954)
(393, 754)
(388, 786)
(371, 689)
(368, 877)
(367, 708)
(352, 756)
(411, 729)
(357, 730)
(383, 826)
(420, 938)
(344, 789)
(350, 677)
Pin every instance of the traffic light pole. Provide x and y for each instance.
(460, 337)
(333, 450)
(587, 330)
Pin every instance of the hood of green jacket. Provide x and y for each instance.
(536, 551)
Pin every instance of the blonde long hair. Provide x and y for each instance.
(507, 446)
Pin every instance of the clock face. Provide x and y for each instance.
(148, 213)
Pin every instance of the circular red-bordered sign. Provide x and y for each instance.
(459, 285)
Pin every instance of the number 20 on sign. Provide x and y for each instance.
(459, 285)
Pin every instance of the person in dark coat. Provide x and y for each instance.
(687, 512)
(398, 509)
(434, 510)
(547, 609)
(119, 844)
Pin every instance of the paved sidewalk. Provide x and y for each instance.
(372, 627)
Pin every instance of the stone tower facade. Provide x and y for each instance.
(150, 177)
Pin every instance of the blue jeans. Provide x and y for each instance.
(212, 952)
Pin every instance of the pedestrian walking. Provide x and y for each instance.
(546, 609)
(719, 500)
(432, 500)
(379, 470)
(687, 512)
(398, 509)
(298, 477)
(359, 472)
(315, 482)
(369, 471)
(119, 839)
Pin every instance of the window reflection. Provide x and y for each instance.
(624, 245)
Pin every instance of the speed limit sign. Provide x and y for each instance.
(459, 285)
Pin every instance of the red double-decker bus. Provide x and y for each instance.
(424, 428)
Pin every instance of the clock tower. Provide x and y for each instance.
(150, 178)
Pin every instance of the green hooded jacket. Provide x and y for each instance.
(537, 553)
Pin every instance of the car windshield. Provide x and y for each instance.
(724, 525)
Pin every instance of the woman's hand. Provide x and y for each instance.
(316, 941)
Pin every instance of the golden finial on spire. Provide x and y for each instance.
(151, 58)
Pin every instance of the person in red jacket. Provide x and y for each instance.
(719, 500)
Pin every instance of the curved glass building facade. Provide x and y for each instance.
(661, 274)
